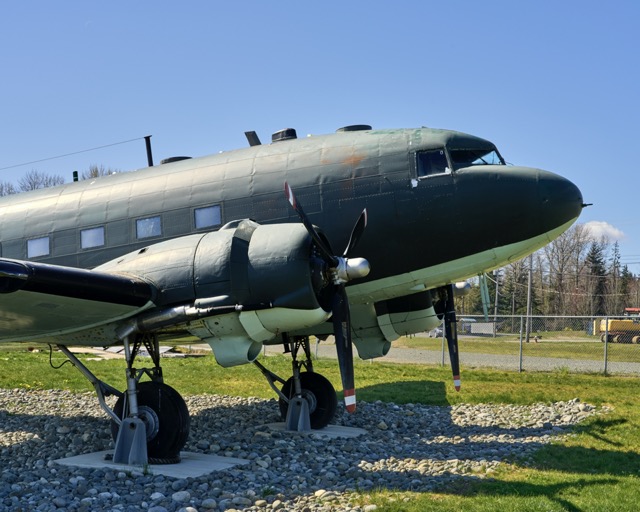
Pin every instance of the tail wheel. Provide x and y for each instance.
(318, 392)
(166, 419)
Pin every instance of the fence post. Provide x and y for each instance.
(521, 326)
(606, 344)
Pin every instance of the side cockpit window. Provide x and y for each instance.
(469, 157)
(431, 162)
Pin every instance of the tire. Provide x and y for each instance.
(166, 417)
(626, 338)
(320, 394)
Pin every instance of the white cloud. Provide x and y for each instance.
(599, 229)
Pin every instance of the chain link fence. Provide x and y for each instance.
(607, 345)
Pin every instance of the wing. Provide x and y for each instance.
(42, 302)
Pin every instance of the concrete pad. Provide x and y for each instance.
(192, 464)
(329, 432)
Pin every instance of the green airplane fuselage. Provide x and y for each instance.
(441, 205)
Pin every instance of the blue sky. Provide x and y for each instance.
(553, 84)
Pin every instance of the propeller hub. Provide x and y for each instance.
(350, 268)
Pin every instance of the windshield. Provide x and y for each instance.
(467, 157)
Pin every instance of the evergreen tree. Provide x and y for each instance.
(596, 279)
(614, 301)
(626, 284)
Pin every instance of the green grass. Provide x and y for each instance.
(580, 348)
(596, 469)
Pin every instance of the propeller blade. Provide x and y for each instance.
(451, 333)
(342, 270)
(344, 348)
(356, 232)
(326, 253)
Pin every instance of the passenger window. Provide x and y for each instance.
(93, 237)
(207, 217)
(38, 247)
(431, 162)
(146, 228)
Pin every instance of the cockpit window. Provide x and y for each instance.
(431, 162)
(468, 157)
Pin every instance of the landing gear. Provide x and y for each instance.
(319, 394)
(150, 421)
(152, 407)
(307, 400)
(165, 417)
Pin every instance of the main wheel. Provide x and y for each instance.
(166, 418)
(318, 392)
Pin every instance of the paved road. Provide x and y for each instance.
(479, 360)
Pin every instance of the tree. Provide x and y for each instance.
(7, 188)
(34, 180)
(614, 301)
(515, 287)
(96, 172)
(596, 278)
(564, 258)
(626, 286)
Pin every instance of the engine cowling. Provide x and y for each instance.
(234, 288)
(376, 326)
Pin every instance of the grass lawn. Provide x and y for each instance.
(596, 469)
(562, 347)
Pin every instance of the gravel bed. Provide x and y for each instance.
(409, 447)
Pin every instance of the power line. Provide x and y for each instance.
(69, 154)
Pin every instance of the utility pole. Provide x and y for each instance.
(529, 306)
(496, 273)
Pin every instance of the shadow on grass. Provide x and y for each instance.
(523, 490)
(582, 467)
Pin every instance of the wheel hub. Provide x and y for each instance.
(150, 420)
(311, 400)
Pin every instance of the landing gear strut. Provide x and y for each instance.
(152, 404)
(307, 399)
(150, 420)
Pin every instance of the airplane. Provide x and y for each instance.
(244, 248)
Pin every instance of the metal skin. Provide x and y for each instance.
(425, 231)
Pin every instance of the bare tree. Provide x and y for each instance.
(95, 171)
(34, 180)
(7, 188)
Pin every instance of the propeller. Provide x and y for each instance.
(451, 333)
(342, 270)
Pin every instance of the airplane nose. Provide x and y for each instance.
(512, 204)
(559, 198)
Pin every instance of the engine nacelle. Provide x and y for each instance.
(234, 288)
(376, 326)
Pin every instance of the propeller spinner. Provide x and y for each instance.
(342, 270)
